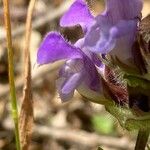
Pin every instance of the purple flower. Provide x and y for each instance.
(77, 14)
(78, 72)
(111, 32)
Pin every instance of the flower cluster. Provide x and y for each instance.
(87, 65)
(79, 71)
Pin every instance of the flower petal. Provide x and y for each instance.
(98, 35)
(54, 48)
(123, 9)
(68, 86)
(92, 78)
(124, 32)
(77, 14)
(76, 73)
(102, 36)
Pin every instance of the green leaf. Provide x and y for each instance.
(128, 120)
(136, 124)
(134, 81)
(120, 113)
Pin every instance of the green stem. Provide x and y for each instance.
(11, 71)
(142, 139)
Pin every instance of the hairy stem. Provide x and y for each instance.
(11, 71)
(142, 139)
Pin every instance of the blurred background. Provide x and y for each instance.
(75, 125)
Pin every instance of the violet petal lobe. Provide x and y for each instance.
(68, 86)
(54, 48)
(117, 24)
(92, 79)
(78, 74)
(70, 77)
(124, 32)
(90, 59)
(78, 14)
(123, 9)
(106, 35)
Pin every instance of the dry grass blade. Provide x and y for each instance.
(26, 115)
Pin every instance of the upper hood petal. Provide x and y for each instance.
(54, 48)
(78, 13)
(123, 9)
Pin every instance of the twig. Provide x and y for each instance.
(17, 13)
(26, 114)
(46, 18)
(82, 137)
(11, 71)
